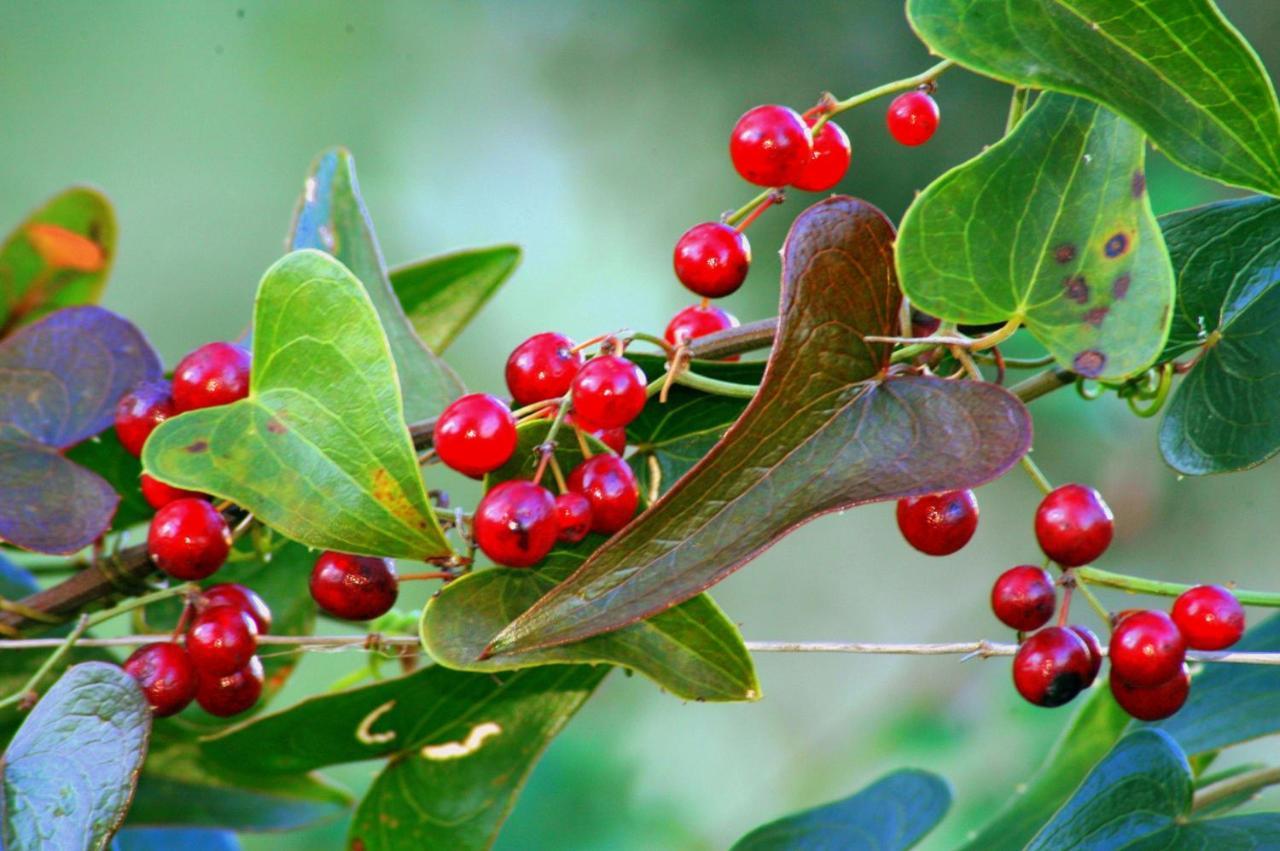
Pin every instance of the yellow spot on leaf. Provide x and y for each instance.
(466, 747)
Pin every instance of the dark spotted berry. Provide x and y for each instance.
(1051, 667)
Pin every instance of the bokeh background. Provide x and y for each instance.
(593, 134)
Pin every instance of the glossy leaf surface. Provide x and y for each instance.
(441, 295)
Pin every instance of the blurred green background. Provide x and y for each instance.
(593, 134)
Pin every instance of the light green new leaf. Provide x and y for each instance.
(1176, 68)
(319, 449)
(1051, 225)
(440, 295)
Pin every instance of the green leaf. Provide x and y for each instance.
(331, 217)
(1225, 415)
(442, 294)
(1051, 225)
(1175, 68)
(524, 460)
(167, 839)
(105, 456)
(70, 770)
(824, 432)
(891, 814)
(58, 257)
(692, 650)
(319, 449)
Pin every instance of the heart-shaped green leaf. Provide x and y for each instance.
(1052, 226)
(1175, 68)
(1225, 415)
(442, 294)
(331, 217)
(892, 814)
(827, 430)
(69, 773)
(319, 449)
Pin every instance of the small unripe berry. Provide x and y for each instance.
(1024, 597)
(938, 524)
(1073, 525)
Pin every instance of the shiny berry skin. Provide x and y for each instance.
(516, 523)
(829, 161)
(609, 391)
(614, 438)
(541, 368)
(1074, 525)
(214, 374)
(475, 435)
(1153, 702)
(139, 412)
(712, 259)
(1051, 667)
(770, 145)
(158, 494)
(912, 118)
(1095, 650)
(1146, 649)
(1024, 598)
(221, 640)
(573, 517)
(231, 694)
(166, 676)
(242, 598)
(188, 539)
(938, 524)
(610, 485)
(1209, 617)
(697, 321)
(354, 588)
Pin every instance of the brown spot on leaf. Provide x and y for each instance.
(1064, 253)
(1089, 363)
(1076, 288)
(1116, 245)
(357, 844)
(1120, 286)
(1095, 316)
(275, 426)
(1139, 184)
(198, 446)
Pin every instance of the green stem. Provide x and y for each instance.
(1036, 474)
(1043, 383)
(926, 76)
(653, 340)
(1093, 601)
(1254, 781)
(912, 351)
(720, 388)
(1017, 108)
(1139, 585)
(745, 210)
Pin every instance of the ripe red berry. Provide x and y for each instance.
(242, 598)
(214, 374)
(188, 539)
(770, 145)
(1209, 617)
(712, 259)
(609, 484)
(1095, 650)
(1146, 649)
(1051, 667)
(166, 676)
(475, 435)
(614, 438)
(158, 494)
(354, 588)
(231, 694)
(609, 391)
(697, 321)
(1024, 597)
(516, 523)
(573, 516)
(221, 640)
(542, 368)
(1073, 525)
(140, 411)
(938, 524)
(829, 161)
(1153, 702)
(912, 118)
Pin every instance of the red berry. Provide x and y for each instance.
(1073, 525)
(188, 539)
(923, 324)
(475, 435)
(1209, 617)
(1146, 649)
(697, 321)
(1024, 597)
(214, 374)
(912, 118)
(1153, 702)
(770, 145)
(166, 676)
(712, 259)
(610, 485)
(221, 640)
(231, 694)
(516, 523)
(1095, 650)
(140, 411)
(158, 494)
(609, 391)
(614, 438)
(242, 598)
(938, 524)
(829, 161)
(1051, 667)
(573, 516)
(542, 368)
(354, 588)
